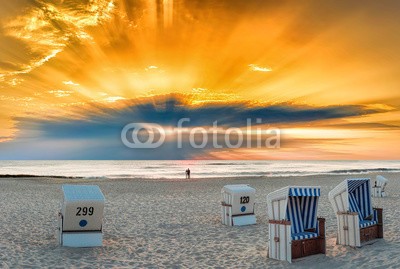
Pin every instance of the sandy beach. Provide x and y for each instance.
(175, 224)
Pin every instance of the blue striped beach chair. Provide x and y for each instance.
(358, 221)
(294, 229)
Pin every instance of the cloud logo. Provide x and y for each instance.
(137, 131)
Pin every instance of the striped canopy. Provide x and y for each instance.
(359, 197)
(302, 208)
(302, 191)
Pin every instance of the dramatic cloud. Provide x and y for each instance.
(46, 29)
(168, 112)
(102, 129)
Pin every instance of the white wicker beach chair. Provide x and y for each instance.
(80, 221)
(378, 190)
(237, 206)
(294, 229)
(357, 221)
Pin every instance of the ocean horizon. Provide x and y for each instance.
(175, 169)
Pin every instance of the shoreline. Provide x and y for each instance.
(34, 176)
(370, 175)
(201, 170)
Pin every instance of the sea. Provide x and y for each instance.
(199, 168)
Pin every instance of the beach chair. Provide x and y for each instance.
(237, 206)
(378, 190)
(80, 220)
(357, 221)
(294, 229)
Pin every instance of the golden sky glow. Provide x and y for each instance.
(70, 59)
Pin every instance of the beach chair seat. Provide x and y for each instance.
(80, 220)
(367, 223)
(294, 229)
(304, 235)
(237, 206)
(358, 221)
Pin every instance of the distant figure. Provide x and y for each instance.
(375, 184)
(187, 173)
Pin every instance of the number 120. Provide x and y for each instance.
(244, 199)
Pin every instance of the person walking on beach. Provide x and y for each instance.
(187, 173)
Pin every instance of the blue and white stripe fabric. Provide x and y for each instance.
(360, 199)
(353, 206)
(302, 211)
(304, 235)
(309, 207)
(301, 191)
(367, 223)
(294, 215)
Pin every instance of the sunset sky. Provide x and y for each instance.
(73, 73)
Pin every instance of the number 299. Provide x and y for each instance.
(83, 211)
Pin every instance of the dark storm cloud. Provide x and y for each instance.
(98, 136)
(109, 122)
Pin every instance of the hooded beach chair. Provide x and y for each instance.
(80, 221)
(378, 190)
(237, 206)
(294, 229)
(357, 221)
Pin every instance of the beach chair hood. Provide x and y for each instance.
(352, 195)
(296, 204)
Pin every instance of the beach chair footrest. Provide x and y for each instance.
(307, 247)
(82, 239)
(369, 233)
(244, 220)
